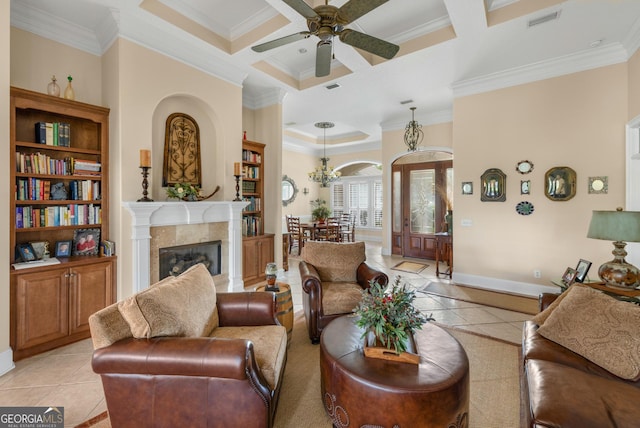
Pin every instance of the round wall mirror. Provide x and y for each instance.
(289, 190)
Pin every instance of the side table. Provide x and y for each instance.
(444, 251)
(284, 307)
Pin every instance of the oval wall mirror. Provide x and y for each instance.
(289, 190)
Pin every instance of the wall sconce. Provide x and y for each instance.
(305, 190)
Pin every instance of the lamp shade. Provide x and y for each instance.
(615, 226)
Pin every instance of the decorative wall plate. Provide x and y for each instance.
(524, 167)
(524, 208)
(598, 185)
(467, 188)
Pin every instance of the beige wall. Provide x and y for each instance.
(6, 359)
(35, 59)
(576, 120)
(634, 86)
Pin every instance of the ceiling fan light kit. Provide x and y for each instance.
(413, 134)
(325, 22)
(324, 174)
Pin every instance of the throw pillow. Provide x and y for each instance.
(602, 329)
(184, 305)
(335, 261)
(541, 317)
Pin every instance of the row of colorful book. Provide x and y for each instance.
(36, 189)
(251, 225)
(39, 163)
(251, 172)
(254, 204)
(249, 156)
(69, 215)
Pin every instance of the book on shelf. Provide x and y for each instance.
(55, 216)
(107, 248)
(53, 133)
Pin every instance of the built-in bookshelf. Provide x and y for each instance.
(257, 246)
(59, 178)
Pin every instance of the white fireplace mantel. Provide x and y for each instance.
(149, 214)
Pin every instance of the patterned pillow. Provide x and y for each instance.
(184, 305)
(541, 317)
(602, 329)
(335, 261)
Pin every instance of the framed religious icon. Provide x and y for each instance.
(182, 159)
(494, 183)
(560, 183)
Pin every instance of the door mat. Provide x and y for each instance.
(411, 267)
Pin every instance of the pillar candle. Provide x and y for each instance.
(145, 158)
(236, 168)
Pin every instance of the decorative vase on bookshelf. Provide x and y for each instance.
(53, 88)
(69, 92)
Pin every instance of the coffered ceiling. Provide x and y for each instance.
(447, 48)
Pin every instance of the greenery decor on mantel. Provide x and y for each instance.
(389, 314)
(184, 191)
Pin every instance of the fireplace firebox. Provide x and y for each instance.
(175, 260)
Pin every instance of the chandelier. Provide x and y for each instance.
(413, 134)
(324, 174)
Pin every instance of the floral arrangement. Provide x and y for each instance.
(184, 191)
(319, 211)
(390, 315)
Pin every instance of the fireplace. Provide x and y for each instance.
(177, 259)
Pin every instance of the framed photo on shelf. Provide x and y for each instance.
(26, 251)
(582, 268)
(63, 248)
(41, 248)
(86, 242)
(569, 276)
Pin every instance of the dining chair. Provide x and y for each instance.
(331, 231)
(348, 227)
(296, 234)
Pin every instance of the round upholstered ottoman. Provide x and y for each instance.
(361, 391)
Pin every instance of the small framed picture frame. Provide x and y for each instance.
(86, 242)
(525, 187)
(569, 276)
(63, 248)
(467, 188)
(41, 248)
(582, 268)
(27, 253)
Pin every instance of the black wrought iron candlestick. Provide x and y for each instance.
(145, 184)
(237, 188)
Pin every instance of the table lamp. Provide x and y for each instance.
(620, 227)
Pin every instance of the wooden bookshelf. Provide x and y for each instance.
(51, 303)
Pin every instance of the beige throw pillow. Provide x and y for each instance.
(541, 317)
(335, 261)
(602, 329)
(176, 306)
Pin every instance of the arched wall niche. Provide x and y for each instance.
(212, 150)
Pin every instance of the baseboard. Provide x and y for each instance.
(503, 285)
(6, 361)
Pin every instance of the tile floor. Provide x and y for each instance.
(63, 377)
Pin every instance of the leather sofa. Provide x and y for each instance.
(333, 275)
(561, 388)
(178, 354)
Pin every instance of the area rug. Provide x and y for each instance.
(511, 302)
(410, 267)
(494, 369)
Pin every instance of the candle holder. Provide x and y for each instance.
(237, 189)
(145, 184)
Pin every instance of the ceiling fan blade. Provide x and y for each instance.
(369, 43)
(302, 8)
(323, 59)
(354, 9)
(281, 41)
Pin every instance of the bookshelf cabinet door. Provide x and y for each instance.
(41, 307)
(90, 289)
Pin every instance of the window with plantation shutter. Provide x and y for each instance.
(361, 197)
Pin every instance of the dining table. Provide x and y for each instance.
(314, 229)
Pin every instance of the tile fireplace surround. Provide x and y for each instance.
(151, 214)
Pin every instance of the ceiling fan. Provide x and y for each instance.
(326, 21)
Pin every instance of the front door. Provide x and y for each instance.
(419, 193)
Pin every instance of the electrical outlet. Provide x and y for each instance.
(537, 274)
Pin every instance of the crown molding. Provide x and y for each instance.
(613, 53)
(34, 20)
(265, 98)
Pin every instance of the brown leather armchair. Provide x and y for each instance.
(333, 276)
(230, 376)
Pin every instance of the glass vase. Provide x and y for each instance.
(69, 93)
(52, 88)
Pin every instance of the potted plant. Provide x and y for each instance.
(389, 315)
(320, 211)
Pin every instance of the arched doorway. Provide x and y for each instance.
(421, 195)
